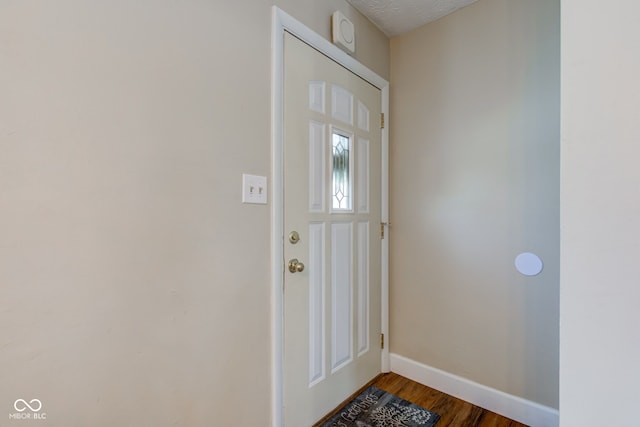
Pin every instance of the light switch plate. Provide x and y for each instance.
(254, 189)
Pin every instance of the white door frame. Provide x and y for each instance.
(282, 22)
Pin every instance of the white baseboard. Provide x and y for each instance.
(516, 408)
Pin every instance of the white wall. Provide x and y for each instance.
(474, 182)
(134, 285)
(600, 288)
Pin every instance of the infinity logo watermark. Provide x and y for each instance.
(21, 405)
(34, 406)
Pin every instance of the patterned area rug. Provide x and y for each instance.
(377, 408)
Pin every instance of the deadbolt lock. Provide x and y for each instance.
(294, 237)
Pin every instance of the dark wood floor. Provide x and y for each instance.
(453, 412)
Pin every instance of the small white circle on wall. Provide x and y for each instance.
(346, 30)
(529, 264)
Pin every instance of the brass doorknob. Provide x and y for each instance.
(295, 266)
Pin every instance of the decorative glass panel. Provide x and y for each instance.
(341, 173)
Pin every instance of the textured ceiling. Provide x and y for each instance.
(395, 17)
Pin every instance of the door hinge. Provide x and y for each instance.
(382, 225)
(381, 120)
(381, 340)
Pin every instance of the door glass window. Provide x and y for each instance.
(342, 199)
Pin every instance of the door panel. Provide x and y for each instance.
(332, 200)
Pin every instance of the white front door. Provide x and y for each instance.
(332, 242)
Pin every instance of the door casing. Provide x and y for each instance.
(282, 22)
